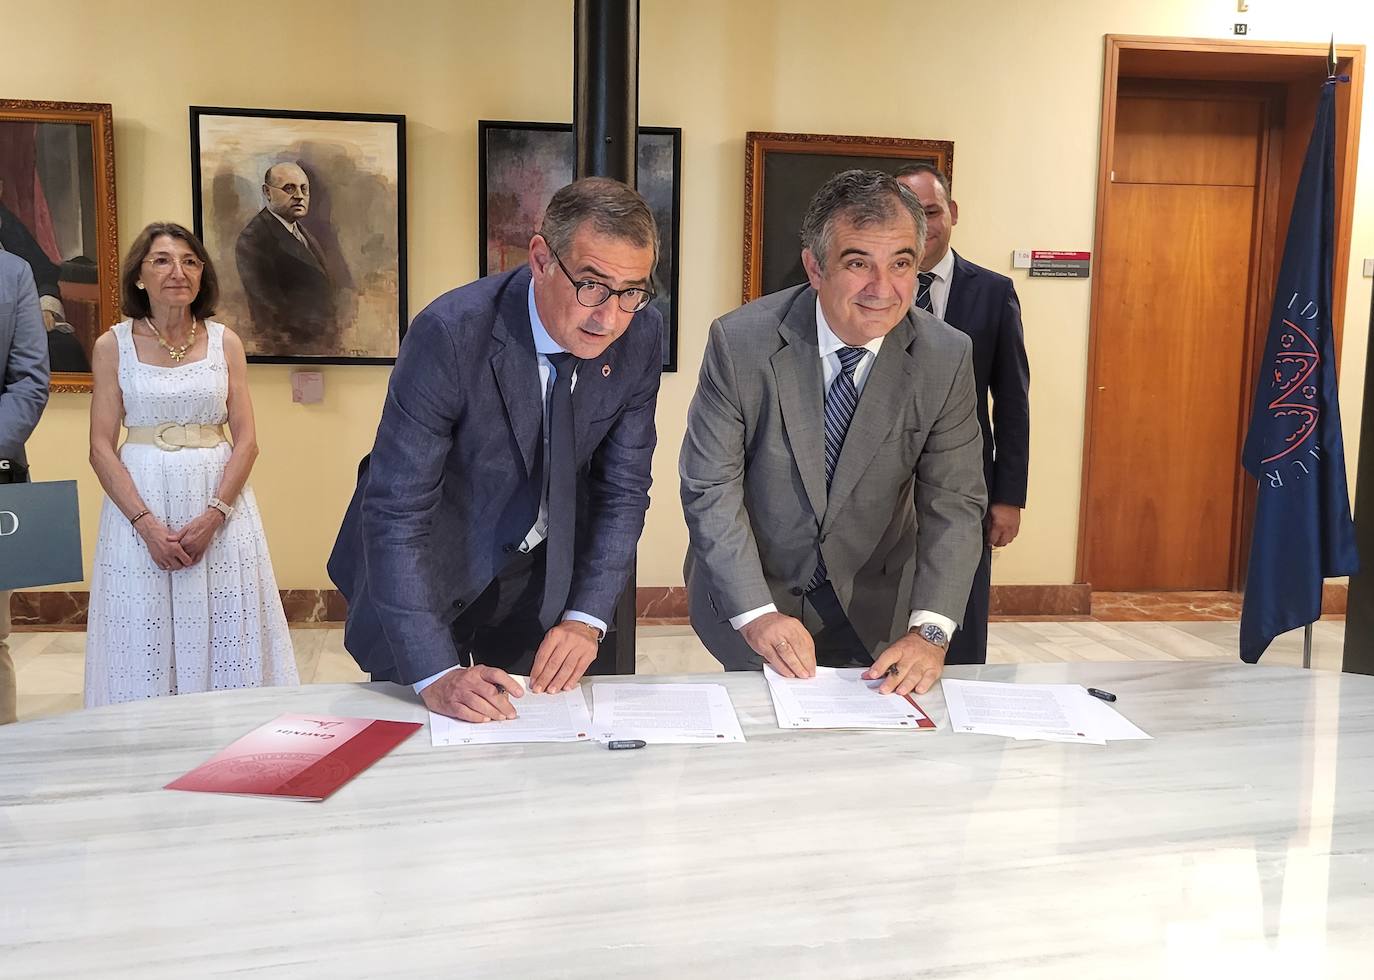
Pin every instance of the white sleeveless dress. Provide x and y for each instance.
(218, 624)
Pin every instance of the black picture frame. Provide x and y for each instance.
(781, 173)
(508, 207)
(351, 306)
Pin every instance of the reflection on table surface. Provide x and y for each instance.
(1239, 839)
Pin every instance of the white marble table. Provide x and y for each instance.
(1237, 843)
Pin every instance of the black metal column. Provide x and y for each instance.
(606, 88)
(1359, 616)
(606, 125)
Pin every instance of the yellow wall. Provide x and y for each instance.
(1015, 85)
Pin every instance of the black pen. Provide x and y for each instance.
(1104, 695)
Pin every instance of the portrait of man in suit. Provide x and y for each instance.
(284, 269)
(493, 525)
(982, 304)
(831, 472)
(65, 353)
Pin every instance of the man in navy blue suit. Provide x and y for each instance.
(982, 304)
(495, 520)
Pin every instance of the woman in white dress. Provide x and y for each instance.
(183, 597)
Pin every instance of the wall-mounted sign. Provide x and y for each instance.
(1046, 264)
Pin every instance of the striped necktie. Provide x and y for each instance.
(840, 402)
(923, 291)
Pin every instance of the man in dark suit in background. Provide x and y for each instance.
(495, 520)
(982, 304)
(291, 295)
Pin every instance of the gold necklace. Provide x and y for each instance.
(177, 353)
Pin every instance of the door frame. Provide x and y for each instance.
(1294, 66)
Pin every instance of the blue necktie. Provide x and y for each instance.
(562, 492)
(840, 402)
(923, 291)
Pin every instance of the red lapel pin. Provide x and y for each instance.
(605, 370)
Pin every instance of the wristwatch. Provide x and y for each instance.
(221, 506)
(931, 633)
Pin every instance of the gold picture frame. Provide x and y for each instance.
(58, 171)
(781, 173)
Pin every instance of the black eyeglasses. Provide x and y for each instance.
(593, 293)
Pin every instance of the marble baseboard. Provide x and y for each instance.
(1126, 607)
(55, 609)
(661, 605)
(1040, 600)
(48, 609)
(667, 605)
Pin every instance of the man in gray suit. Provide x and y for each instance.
(832, 471)
(23, 393)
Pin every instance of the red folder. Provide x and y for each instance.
(299, 757)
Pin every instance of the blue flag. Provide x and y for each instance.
(1303, 532)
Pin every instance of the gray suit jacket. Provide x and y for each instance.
(902, 525)
(23, 357)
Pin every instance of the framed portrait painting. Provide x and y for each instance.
(304, 214)
(521, 164)
(57, 213)
(782, 171)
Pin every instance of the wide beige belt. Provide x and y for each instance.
(171, 436)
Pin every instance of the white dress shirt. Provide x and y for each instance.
(939, 286)
(830, 345)
(543, 346)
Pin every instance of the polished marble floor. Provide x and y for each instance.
(51, 665)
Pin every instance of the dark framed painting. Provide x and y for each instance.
(57, 213)
(782, 171)
(304, 214)
(521, 164)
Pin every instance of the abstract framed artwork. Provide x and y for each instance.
(521, 164)
(305, 213)
(57, 212)
(781, 173)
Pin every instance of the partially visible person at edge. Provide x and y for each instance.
(23, 395)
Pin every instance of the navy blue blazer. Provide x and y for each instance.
(429, 523)
(983, 304)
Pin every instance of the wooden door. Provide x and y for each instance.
(1178, 269)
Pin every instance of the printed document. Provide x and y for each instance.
(1050, 712)
(561, 717)
(664, 713)
(839, 697)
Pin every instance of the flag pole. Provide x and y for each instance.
(1307, 630)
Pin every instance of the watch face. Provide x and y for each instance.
(932, 633)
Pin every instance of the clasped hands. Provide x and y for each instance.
(911, 665)
(481, 693)
(173, 550)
